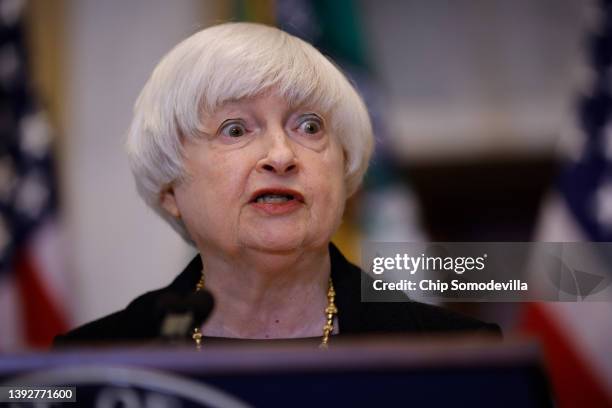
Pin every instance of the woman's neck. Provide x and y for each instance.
(267, 295)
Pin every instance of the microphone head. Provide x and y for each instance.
(178, 315)
(170, 303)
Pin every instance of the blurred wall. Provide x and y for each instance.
(473, 78)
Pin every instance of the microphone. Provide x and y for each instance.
(178, 315)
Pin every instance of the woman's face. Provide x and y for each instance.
(265, 176)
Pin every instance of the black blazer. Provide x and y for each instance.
(137, 322)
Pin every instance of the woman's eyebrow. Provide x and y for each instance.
(222, 115)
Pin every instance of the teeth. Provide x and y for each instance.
(273, 198)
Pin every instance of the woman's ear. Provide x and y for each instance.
(167, 200)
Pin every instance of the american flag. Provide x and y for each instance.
(576, 336)
(586, 184)
(30, 308)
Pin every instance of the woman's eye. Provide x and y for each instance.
(233, 130)
(310, 126)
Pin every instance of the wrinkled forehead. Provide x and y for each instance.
(294, 99)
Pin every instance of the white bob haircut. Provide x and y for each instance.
(228, 62)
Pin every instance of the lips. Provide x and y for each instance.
(276, 201)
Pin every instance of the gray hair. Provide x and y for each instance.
(228, 62)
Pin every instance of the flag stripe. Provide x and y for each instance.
(10, 321)
(43, 319)
(573, 380)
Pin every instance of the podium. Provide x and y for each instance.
(362, 372)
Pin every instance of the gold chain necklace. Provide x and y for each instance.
(330, 311)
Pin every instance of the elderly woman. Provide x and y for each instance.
(248, 142)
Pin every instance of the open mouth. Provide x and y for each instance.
(276, 196)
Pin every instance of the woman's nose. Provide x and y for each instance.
(280, 157)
